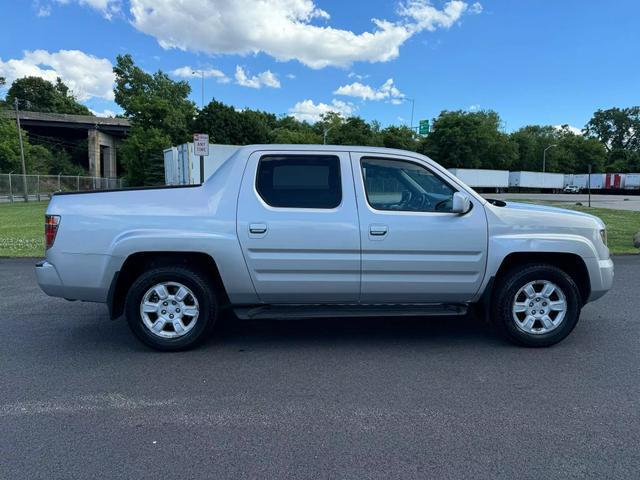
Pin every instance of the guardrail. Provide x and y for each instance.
(38, 187)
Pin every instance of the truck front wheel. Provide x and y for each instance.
(536, 305)
(171, 308)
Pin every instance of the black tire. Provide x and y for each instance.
(508, 286)
(203, 290)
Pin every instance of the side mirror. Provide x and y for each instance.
(461, 203)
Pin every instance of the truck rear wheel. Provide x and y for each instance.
(171, 308)
(536, 305)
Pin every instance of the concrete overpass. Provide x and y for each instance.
(103, 135)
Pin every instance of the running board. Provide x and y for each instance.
(299, 312)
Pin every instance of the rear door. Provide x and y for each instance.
(297, 223)
(414, 249)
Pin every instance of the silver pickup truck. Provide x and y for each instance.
(292, 231)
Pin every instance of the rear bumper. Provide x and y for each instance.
(601, 279)
(48, 279)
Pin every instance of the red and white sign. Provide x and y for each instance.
(201, 144)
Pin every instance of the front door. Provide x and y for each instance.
(414, 249)
(297, 223)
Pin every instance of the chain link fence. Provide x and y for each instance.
(41, 187)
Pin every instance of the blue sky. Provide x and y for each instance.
(533, 61)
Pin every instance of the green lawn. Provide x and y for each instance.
(22, 228)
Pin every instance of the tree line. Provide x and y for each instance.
(162, 115)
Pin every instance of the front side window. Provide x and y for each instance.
(404, 186)
(299, 181)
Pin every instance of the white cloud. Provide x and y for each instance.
(308, 111)
(387, 91)
(104, 114)
(43, 11)
(87, 76)
(291, 76)
(474, 108)
(263, 79)
(357, 76)
(428, 17)
(108, 8)
(476, 8)
(284, 29)
(190, 72)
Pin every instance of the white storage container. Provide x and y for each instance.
(482, 178)
(182, 167)
(568, 179)
(632, 181)
(581, 179)
(550, 181)
(597, 181)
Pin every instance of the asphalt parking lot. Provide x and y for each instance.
(365, 398)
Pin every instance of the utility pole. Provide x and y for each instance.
(544, 157)
(24, 168)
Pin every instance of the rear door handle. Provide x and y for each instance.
(378, 230)
(258, 228)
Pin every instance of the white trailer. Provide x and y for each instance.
(182, 166)
(568, 179)
(480, 178)
(547, 181)
(597, 181)
(632, 181)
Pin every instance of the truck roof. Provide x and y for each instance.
(327, 148)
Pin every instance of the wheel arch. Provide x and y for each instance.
(571, 263)
(139, 262)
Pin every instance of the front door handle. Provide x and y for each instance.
(258, 228)
(378, 230)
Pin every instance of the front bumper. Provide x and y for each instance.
(48, 279)
(601, 279)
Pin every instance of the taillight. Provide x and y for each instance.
(51, 223)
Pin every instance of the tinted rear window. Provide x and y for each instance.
(299, 181)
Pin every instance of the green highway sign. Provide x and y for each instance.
(423, 129)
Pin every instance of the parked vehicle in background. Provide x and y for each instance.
(571, 189)
(295, 231)
(493, 180)
(537, 180)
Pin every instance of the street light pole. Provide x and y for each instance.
(413, 107)
(326, 130)
(544, 157)
(200, 72)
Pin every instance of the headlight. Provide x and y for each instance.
(603, 235)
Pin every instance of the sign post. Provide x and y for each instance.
(423, 128)
(589, 185)
(201, 149)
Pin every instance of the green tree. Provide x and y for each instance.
(39, 95)
(399, 137)
(154, 100)
(353, 131)
(142, 155)
(469, 140)
(532, 141)
(37, 159)
(575, 153)
(618, 129)
(221, 122)
(161, 115)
